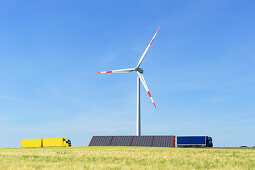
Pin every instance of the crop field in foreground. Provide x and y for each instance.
(127, 158)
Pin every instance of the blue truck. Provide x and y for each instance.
(194, 141)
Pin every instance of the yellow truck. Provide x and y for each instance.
(53, 142)
(31, 143)
(46, 142)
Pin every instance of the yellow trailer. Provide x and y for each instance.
(54, 142)
(31, 143)
(46, 142)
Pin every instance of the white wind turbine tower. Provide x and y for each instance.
(139, 72)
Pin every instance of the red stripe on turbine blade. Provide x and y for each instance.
(154, 105)
(98, 72)
(108, 71)
(149, 93)
(151, 41)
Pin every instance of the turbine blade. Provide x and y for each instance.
(145, 86)
(141, 59)
(119, 71)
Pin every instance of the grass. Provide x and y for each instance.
(127, 158)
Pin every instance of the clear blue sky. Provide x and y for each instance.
(200, 69)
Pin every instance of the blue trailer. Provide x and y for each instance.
(194, 141)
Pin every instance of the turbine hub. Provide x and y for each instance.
(139, 70)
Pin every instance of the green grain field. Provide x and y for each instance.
(127, 158)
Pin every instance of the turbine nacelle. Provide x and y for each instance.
(139, 70)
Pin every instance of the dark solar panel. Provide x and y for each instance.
(163, 141)
(155, 141)
(121, 141)
(142, 141)
(100, 140)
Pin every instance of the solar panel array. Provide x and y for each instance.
(142, 141)
(100, 141)
(150, 141)
(163, 141)
(121, 141)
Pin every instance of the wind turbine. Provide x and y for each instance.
(139, 72)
